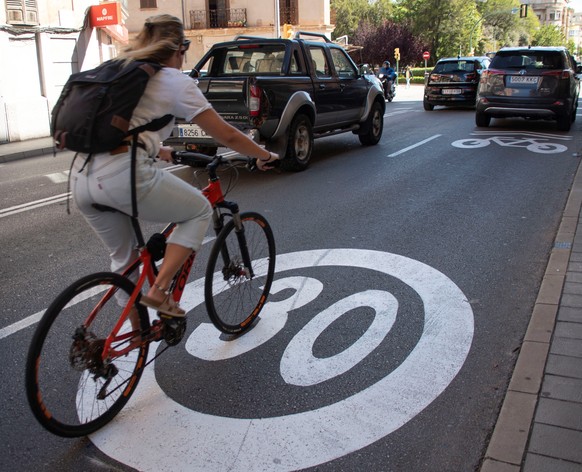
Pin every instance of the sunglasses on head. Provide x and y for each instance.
(185, 46)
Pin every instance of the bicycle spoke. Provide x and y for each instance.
(72, 390)
(234, 298)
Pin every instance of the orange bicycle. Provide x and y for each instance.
(85, 360)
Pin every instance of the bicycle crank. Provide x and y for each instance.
(174, 329)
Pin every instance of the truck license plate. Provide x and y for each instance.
(191, 131)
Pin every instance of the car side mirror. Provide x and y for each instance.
(195, 73)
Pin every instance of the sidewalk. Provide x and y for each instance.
(539, 428)
(21, 149)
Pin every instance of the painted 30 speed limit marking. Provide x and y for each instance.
(155, 432)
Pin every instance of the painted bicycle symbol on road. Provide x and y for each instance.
(534, 142)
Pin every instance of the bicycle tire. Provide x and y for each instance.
(63, 373)
(233, 298)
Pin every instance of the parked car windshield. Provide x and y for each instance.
(548, 60)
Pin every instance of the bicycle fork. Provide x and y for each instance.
(229, 264)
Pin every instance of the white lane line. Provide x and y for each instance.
(398, 111)
(32, 205)
(58, 177)
(414, 145)
(19, 325)
(55, 199)
(35, 318)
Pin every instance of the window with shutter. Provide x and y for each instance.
(21, 12)
(148, 4)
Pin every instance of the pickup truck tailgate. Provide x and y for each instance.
(229, 97)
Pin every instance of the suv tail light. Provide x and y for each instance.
(254, 100)
(488, 74)
(560, 74)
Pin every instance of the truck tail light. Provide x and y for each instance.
(254, 100)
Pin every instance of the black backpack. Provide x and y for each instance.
(93, 112)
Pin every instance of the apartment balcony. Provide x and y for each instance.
(233, 18)
(228, 18)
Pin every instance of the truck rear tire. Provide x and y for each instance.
(299, 145)
(373, 127)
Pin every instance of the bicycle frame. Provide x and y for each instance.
(92, 344)
(214, 193)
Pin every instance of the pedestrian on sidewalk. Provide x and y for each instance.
(408, 75)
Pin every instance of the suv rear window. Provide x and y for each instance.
(545, 60)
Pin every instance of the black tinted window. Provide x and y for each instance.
(454, 66)
(528, 59)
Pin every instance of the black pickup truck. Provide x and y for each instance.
(284, 93)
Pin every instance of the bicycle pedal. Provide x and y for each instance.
(173, 329)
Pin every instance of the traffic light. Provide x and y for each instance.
(523, 10)
(397, 54)
(287, 31)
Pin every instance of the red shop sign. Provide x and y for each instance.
(105, 14)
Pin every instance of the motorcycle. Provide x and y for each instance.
(388, 86)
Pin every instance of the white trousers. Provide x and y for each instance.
(161, 197)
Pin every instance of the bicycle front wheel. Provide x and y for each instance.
(71, 389)
(235, 292)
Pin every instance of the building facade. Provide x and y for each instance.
(45, 42)
(553, 12)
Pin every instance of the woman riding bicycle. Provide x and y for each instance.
(105, 178)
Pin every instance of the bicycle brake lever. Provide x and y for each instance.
(252, 165)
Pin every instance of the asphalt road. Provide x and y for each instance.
(406, 275)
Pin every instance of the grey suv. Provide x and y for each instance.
(529, 82)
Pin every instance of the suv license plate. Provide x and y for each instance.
(192, 131)
(520, 79)
(452, 91)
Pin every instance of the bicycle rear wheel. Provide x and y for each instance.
(235, 294)
(72, 392)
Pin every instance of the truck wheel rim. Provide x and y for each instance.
(302, 142)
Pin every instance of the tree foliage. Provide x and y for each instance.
(549, 35)
(350, 13)
(443, 27)
(379, 43)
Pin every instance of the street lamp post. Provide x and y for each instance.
(277, 20)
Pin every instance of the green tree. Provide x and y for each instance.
(444, 25)
(349, 14)
(549, 35)
(499, 24)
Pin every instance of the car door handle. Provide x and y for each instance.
(322, 86)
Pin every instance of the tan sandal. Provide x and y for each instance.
(167, 306)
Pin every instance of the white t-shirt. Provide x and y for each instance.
(169, 92)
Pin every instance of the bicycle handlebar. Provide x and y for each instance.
(193, 159)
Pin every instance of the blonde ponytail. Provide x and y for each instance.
(160, 37)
